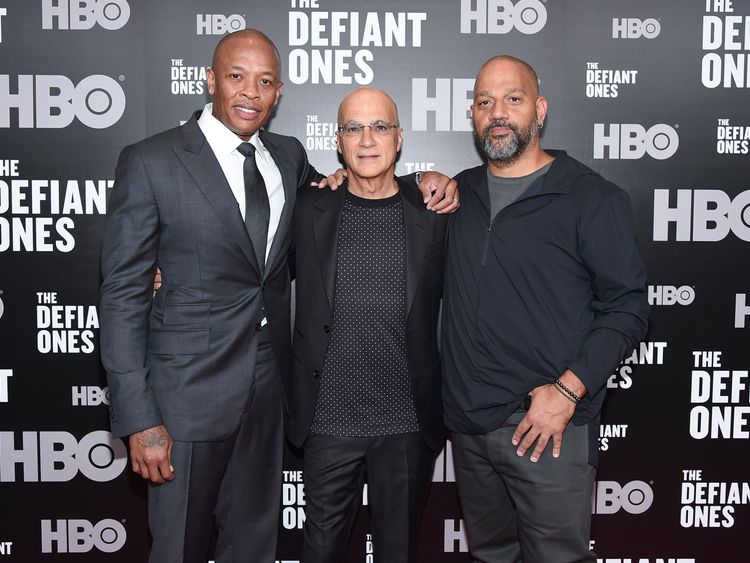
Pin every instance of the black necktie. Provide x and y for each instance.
(257, 209)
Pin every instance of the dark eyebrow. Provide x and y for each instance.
(267, 72)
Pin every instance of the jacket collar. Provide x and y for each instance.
(558, 180)
(200, 162)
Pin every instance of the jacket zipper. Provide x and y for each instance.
(486, 242)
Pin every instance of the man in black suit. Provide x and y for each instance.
(365, 394)
(194, 378)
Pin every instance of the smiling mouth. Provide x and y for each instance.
(249, 112)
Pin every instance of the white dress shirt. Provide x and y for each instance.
(224, 143)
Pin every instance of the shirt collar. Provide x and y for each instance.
(219, 137)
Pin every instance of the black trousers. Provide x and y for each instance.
(515, 510)
(234, 484)
(398, 470)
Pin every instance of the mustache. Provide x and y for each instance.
(500, 123)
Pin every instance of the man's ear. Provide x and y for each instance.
(210, 80)
(278, 92)
(541, 110)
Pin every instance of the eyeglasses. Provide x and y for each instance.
(354, 129)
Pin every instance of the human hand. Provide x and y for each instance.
(157, 282)
(151, 453)
(547, 417)
(439, 192)
(333, 181)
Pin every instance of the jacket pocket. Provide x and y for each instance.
(186, 313)
(187, 342)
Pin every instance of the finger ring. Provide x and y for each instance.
(455, 199)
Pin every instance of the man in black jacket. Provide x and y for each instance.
(365, 395)
(544, 294)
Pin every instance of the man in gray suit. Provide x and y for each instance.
(194, 379)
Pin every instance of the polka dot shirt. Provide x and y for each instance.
(364, 386)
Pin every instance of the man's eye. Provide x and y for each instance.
(352, 129)
(379, 127)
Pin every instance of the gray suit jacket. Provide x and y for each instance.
(186, 358)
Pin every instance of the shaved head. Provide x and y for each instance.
(490, 63)
(369, 154)
(244, 34)
(244, 81)
(367, 95)
(507, 114)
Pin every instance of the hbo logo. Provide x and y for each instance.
(633, 141)
(84, 14)
(53, 101)
(609, 497)
(670, 295)
(81, 536)
(58, 456)
(502, 16)
(90, 396)
(701, 215)
(633, 28)
(217, 24)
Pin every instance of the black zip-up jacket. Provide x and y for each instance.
(553, 282)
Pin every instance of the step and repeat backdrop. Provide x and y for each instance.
(652, 94)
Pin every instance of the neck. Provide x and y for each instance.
(532, 160)
(380, 187)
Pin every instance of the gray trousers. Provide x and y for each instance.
(233, 485)
(518, 511)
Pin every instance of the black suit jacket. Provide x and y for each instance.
(186, 359)
(316, 226)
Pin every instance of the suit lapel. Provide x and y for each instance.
(200, 162)
(326, 221)
(289, 182)
(416, 240)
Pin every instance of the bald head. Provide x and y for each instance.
(245, 35)
(368, 100)
(369, 152)
(507, 113)
(500, 62)
(244, 81)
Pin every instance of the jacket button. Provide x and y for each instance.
(326, 329)
(258, 327)
(316, 374)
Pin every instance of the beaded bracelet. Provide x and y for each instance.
(567, 392)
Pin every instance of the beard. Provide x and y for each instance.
(506, 149)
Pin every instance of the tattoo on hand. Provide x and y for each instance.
(152, 439)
